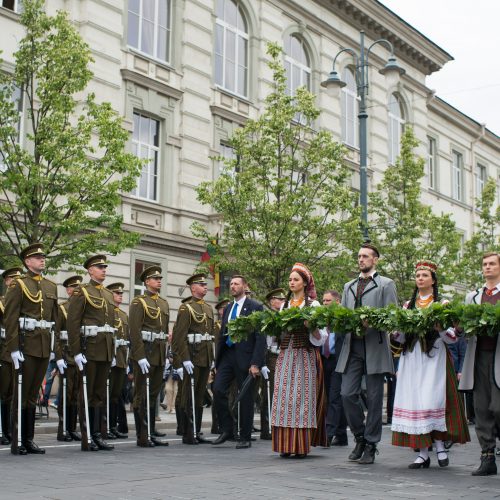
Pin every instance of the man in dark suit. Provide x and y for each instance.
(236, 361)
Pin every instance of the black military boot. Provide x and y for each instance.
(113, 418)
(188, 437)
(154, 438)
(488, 465)
(6, 435)
(96, 434)
(71, 423)
(369, 454)
(141, 431)
(21, 426)
(29, 444)
(199, 435)
(357, 453)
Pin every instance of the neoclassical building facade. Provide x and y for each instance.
(185, 73)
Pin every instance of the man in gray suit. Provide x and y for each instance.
(369, 356)
(481, 369)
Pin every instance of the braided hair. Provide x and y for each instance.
(427, 342)
(307, 299)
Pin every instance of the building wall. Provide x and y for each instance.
(195, 114)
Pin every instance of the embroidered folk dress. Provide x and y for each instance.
(298, 409)
(427, 405)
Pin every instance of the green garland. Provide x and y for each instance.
(473, 319)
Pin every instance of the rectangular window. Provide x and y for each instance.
(149, 27)
(145, 145)
(481, 177)
(15, 5)
(140, 265)
(457, 176)
(431, 162)
(17, 99)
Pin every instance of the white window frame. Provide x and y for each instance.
(457, 175)
(17, 6)
(396, 126)
(481, 176)
(137, 144)
(140, 289)
(304, 70)
(155, 32)
(350, 102)
(432, 162)
(237, 63)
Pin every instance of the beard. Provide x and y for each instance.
(365, 269)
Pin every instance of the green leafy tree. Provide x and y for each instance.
(285, 196)
(406, 230)
(60, 185)
(486, 238)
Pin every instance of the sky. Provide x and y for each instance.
(470, 32)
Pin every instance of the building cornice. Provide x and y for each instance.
(150, 83)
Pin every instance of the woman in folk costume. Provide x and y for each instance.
(299, 403)
(427, 407)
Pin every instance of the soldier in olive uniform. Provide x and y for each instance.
(120, 361)
(219, 308)
(6, 372)
(67, 369)
(275, 299)
(192, 343)
(31, 312)
(148, 323)
(90, 324)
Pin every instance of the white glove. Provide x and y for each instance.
(188, 366)
(113, 363)
(80, 360)
(52, 356)
(128, 369)
(180, 372)
(167, 364)
(17, 357)
(144, 365)
(265, 372)
(212, 365)
(61, 364)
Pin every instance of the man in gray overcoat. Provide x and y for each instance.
(369, 355)
(481, 369)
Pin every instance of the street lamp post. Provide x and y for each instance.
(334, 83)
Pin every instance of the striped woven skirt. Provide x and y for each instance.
(457, 430)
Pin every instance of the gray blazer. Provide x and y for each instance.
(467, 377)
(379, 293)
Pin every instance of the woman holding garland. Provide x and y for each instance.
(427, 407)
(299, 404)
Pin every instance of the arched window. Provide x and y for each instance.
(350, 109)
(231, 47)
(396, 122)
(297, 64)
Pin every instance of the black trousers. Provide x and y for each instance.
(228, 371)
(336, 422)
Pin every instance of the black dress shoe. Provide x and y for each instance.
(240, 445)
(32, 448)
(64, 437)
(158, 434)
(148, 444)
(101, 444)
(189, 440)
(223, 438)
(158, 442)
(75, 436)
(336, 441)
(4, 440)
(443, 462)
(109, 435)
(118, 434)
(265, 436)
(285, 455)
(21, 450)
(200, 439)
(421, 465)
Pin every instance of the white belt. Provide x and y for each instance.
(92, 331)
(121, 342)
(2, 333)
(196, 338)
(152, 336)
(29, 324)
(63, 335)
(274, 349)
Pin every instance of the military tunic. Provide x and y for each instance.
(92, 305)
(35, 297)
(195, 316)
(119, 371)
(6, 378)
(148, 313)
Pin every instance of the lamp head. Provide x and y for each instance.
(333, 84)
(392, 72)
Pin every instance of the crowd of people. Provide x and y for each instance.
(313, 383)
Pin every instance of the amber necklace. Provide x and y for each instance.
(296, 302)
(423, 302)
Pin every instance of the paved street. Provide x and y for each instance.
(207, 472)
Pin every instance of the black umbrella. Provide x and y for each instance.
(247, 383)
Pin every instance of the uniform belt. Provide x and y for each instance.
(2, 333)
(29, 324)
(92, 331)
(121, 342)
(152, 336)
(196, 338)
(274, 349)
(63, 335)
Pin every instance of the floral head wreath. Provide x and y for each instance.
(427, 265)
(304, 270)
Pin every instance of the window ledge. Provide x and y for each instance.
(450, 199)
(149, 57)
(9, 13)
(244, 99)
